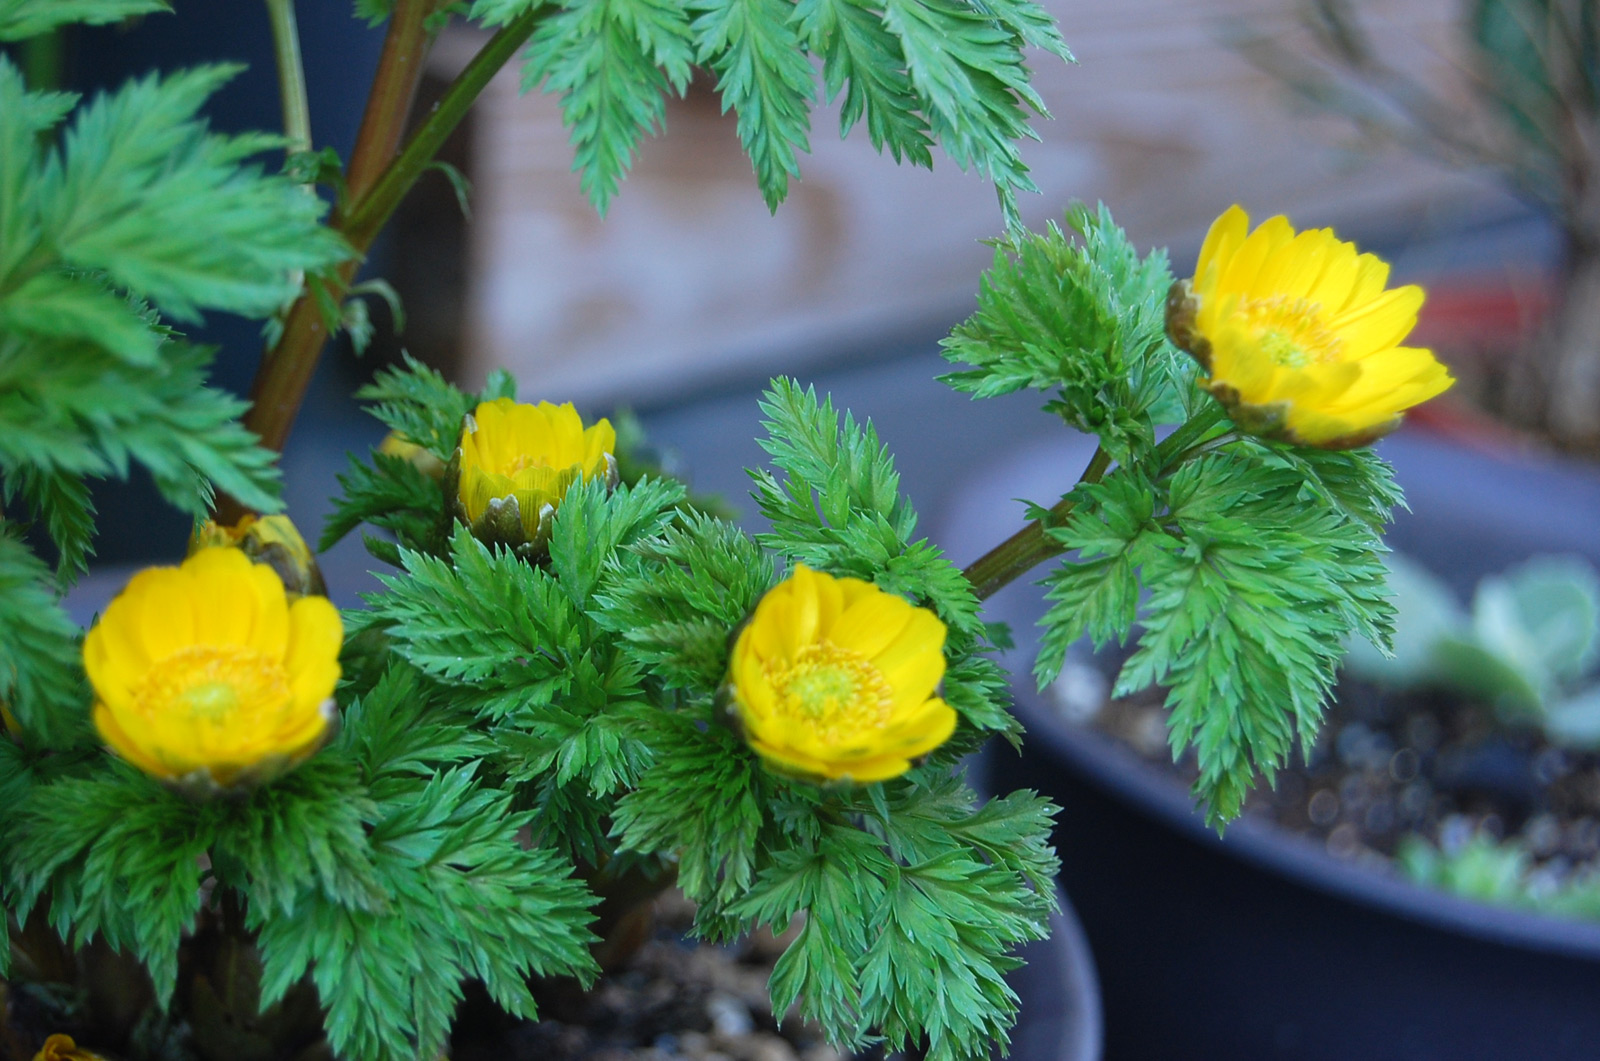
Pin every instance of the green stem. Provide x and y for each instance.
(291, 75)
(1027, 548)
(377, 180)
(372, 209)
(1175, 446)
(42, 61)
(1031, 545)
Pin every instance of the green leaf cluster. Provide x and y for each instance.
(1527, 646)
(838, 508)
(1243, 565)
(912, 895)
(1244, 570)
(139, 209)
(394, 493)
(519, 647)
(386, 869)
(916, 72)
(21, 19)
(113, 214)
(1078, 314)
(1254, 579)
(1501, 872)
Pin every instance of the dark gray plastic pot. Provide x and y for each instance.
(1060, 1015)
(1260, 944)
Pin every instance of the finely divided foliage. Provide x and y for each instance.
(139, 210)
(597, 677)
(917, 72)
(129, 211)
(1241, 564)
(21, 19)
(1082, 319)
(912, 895)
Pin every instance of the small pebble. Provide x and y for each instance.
(1353, 793)
(1542, 834)
(1414, 800)
(1403, 765)
(729, 1016)
(1583, 837)
(1551, 764)
(1455, 832)
(1323, 808)
(821, 1052)
(1290, 790)
(1351, 744)
(1423, 732)
(1150, 734)
(1080, 691)
(1344, 841)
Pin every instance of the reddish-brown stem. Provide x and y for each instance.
(394, 87)
(380, 178)
(286, 369)
(1024, 550)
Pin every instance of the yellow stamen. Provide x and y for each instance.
(836, 691)
(212, 684)
(1290, 331)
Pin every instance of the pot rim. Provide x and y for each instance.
(1274, 849)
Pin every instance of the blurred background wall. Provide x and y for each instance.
(689, 282)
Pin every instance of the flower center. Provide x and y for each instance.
(214, 686)
(1290, 331)
(835, 691)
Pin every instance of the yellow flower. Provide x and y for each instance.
(270, 540)
(207, 676)
(395, 446)
(834, 678)
(63, 1048)
(515, 463)
(1299, 336)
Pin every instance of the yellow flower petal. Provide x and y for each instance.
(239, 695)
(1299, 336)
(532, 453)
(833, 678)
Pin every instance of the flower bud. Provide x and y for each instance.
(270, 540)
(64, 1048)
(514, 464)
(424, 461)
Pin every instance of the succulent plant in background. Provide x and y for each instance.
(1527, 646)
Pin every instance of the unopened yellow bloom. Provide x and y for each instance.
(426, 463)
(271, 540)
(206, 675)
(63, 1048)
(1299, 335)
(834, 678)
(516, 461)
